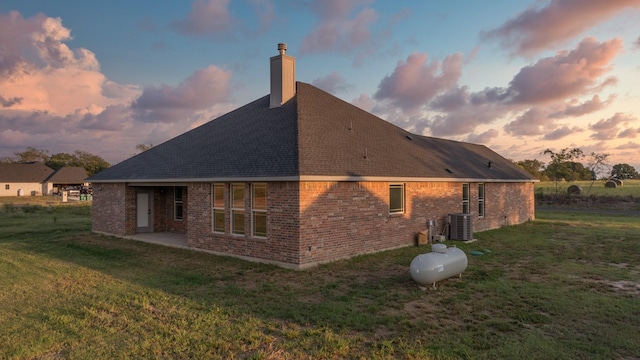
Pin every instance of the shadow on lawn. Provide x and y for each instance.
(364, 294)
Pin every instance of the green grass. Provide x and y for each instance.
(628, 188)
(564, 286)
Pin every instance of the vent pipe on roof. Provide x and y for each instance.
(283, 77)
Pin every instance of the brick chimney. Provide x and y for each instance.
(283, 77)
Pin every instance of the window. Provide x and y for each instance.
(237, 209)
(259, 209)
(396, 198)
(465, 198)
(6, 187)
(178, 204)
(480, 200)
(218, 208)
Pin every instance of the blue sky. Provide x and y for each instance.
(517, 76)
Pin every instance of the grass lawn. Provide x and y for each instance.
(566, 286)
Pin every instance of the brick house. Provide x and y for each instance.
(300, 177)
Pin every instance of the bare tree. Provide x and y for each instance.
(143, 147)
(597, 164)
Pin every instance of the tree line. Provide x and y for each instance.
(565, 165)
(90, 162)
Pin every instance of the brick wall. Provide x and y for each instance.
(343, 219)
(316, 222)
(281, 245)
(114, 209)
(164, 210)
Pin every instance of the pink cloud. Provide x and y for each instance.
(207, 17)
(265, 11)
(537, 96)
(483, 138)
(586, 107)
(42, 73)
(540, 28)
(5, 103)
(534, 121)
(203, 89)
(629, 133)
(415, 82)
(561, 132)
(331, 83)
(607, 129)
(567, 74)
(628, 146)
(364, 102)
(336, 29)
(55, 97)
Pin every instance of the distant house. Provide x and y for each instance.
(300, 177)
(26, 179)
(68, 176)
(34, 179)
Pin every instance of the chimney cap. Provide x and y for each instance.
(282, 47)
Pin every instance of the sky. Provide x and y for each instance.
(517, 76)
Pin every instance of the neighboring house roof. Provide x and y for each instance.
(69, 175)
(313, 136)
(33, 172)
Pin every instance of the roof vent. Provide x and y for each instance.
(409, 137)
(489, 164)
(283, 77)
(449, 171)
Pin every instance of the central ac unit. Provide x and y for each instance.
(460, 227)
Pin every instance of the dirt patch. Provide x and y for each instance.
(622, 287)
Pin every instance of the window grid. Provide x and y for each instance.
(178, 203)
(237, 209)
(396, 198)
(218, 208)
(481, 200)
(465, 198)
(6, 187)
(259, 209)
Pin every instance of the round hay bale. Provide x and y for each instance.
(618, 182)
(610, 184)
(574, 190)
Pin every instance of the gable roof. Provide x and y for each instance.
(32, 172)
(314, 136)
(69, 175)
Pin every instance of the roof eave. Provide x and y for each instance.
(310, 178)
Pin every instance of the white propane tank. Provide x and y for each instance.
(441, 263)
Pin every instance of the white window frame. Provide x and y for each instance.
(465, 198)
(401, 209)
(481, 199)
(178, 203)
(258, 210)
(218, 208)
(237, 210)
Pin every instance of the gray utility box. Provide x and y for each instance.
(460, 227)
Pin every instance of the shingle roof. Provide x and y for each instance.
(69, 175)
(33, 172)
(314, 135)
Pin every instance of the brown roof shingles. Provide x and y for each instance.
(33, 172)
(313, 135)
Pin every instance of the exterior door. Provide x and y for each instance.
(144, 213)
